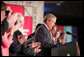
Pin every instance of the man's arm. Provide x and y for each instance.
(26, 50)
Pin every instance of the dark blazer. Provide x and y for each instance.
(15, 46)
(43, 36)
(17, 49)
(26, 50)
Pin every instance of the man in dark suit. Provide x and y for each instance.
(16, 46)
(43, 34)
(23, 47)
(20, 46)
(30, 47)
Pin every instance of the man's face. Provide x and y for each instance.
(51, 23)
(21, 21)
(53, 30)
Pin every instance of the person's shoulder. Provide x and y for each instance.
(41, 29)
(43, 26)
(18, 32)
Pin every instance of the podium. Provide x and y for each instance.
(69, 49)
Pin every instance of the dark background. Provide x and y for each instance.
(68, 13)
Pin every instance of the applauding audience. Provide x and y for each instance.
(15, 43)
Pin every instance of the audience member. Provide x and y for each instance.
(62, 38)
(7, 23)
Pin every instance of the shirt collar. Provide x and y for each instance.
(48, 29)
(46, 26)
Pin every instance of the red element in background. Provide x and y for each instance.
(27, 20)
(28, 25)
(16, 8)
(61, 28)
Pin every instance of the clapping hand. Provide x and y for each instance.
(36, 45)
(6, 41)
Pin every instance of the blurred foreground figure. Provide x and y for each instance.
(7, 23)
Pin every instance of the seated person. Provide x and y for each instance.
(62, 38)
(53, 32)
(55, 35)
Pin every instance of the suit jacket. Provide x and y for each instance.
(26, 50)
(17, 49)
(15, 46)
(43, 36)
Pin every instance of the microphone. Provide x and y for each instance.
(68, 33)
(74, 35)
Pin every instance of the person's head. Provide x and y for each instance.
(50, 20)
(3, 6)
(57, 33)
(63, 35)
(3, 10)
(20, 20)
(21, 39)
(53, 30)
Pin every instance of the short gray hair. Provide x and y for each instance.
(49, 16)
